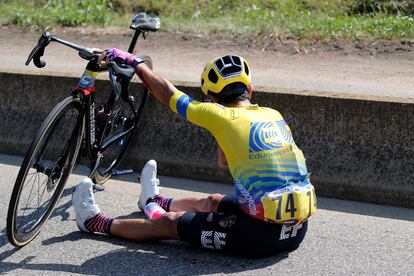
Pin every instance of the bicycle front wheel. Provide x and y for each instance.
(45, 170)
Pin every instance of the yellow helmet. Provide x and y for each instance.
(222, 71)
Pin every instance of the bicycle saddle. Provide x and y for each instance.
(145, 23)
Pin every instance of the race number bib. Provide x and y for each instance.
(290, 205)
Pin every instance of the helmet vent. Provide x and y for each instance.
(246, 68)
(227, 60)
(230, 70)
(212, 76)
(202, 81)
(236, 60)
(219, 64)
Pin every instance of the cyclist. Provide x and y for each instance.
(273, 196)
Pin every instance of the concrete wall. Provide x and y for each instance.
(361, 149)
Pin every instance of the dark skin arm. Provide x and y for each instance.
(163, 90)
(221, 158)
(160, 87)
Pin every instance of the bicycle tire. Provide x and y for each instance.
(61, 168)
(102, 175)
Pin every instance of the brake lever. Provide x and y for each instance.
(122, 69)
(87, 54)
(39, 50)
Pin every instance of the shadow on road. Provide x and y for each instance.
(161, 258)
(62, 211)
(6, 247)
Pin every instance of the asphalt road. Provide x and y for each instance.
(344, 238)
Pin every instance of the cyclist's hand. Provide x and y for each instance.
(97, 51)
(114, 54)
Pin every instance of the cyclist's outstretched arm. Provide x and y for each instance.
(211, 117)
(160, 87)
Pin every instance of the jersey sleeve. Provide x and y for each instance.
(207, 115)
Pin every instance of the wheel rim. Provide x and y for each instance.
(110, 158)
(43, 180)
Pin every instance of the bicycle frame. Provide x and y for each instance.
(95, 146)
(86, 87)
(119, 75)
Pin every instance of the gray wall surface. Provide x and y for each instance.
(355, 148)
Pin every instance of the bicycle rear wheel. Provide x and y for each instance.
(117, 123)
(44, 171)
(120, 120)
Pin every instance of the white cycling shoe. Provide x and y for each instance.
(149, 183)
(84, 203)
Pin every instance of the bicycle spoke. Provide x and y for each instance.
(24, 210)
(39, 187)
(34, 175)
(27, 206)
(34, 194)
(44, 189)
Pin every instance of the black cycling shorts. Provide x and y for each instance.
(247, 236)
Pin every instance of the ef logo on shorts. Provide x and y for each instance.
(289, 231)
(213, 239)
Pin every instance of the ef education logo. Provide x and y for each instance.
(265, 137)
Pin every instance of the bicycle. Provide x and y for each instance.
(102, 131)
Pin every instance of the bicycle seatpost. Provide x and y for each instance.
(134, 41)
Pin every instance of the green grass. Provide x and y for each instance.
(43, 14)
(321, 20)
(306, 26)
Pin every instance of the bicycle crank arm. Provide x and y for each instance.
(97, 187)
(98, 161)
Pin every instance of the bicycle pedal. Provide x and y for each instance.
(98, 188)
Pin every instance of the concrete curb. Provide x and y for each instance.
(358, 148)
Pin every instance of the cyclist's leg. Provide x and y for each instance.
(165, 227)
(207, 203)
(90, 219)
(151, 192)
(141, 230)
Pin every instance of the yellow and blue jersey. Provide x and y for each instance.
(260, 151)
